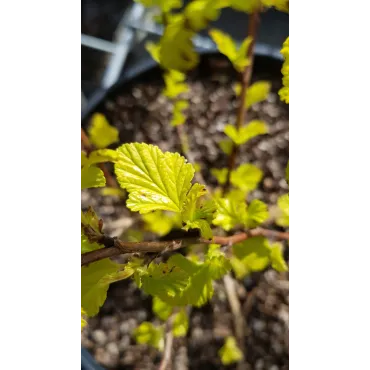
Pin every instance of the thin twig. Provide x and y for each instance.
(89, 148)
(246, 79)
(168, 344)
(115, 246)
(239, 320)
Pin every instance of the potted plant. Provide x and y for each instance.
(230, 230)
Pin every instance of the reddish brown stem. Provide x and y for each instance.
(111, 182)
(246, 79)
(115, 247)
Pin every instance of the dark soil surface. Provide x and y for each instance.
(142, 115)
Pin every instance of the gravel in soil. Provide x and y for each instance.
(141, 114)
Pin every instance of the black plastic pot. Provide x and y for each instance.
(88, 362)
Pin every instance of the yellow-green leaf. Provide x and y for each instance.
(179, 117)
(230, 213)
(257, 213)
(254, 253)
(246, 177)
(256, 93)
(102, 155)
(200, 289)
(154, 180)
(112, 192)
(161, 309)
(180, 324)
(161, 223)
(197, 167)
(226, 146)
(230, 352)
(282, 5)
(83, 158)
(283, 204)
(202, 225)
(101, 133)
(245, 133)
(284, 91)
(177, 50)
(277, 259)
(200, 13)
(90, 219)
(163, 280)
(148, 334)
(93, 288)
(227, 46)
(219, 265)
(164, 5)
(191, 202)
(239, 268)
(241, 61)
(92, 177)
(220, 174)
(247, 6)
(154, 50)
(174, 81)
(83, 320)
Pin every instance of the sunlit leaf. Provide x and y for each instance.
(220, 174)
(180, 324)
(257, 213)
(219, 265)
(282, 5)
(200, 13)
(175, 85)
(83, 320)
(101, 133)
(283, 217)
(245, 133)
(277, 258)
(112, 192)
(161, 309)
(226, 146)
(230, 213)
(102, 155)
(154, 50)
(177, 50)
(161, 223)
(148, 334)
(230, 352)
(227, 46)
(179, 117)
(93, 290)
(92, 177)
(284, 91)
(254, 253)
(164, 5)
(246, 177)
(154, 180)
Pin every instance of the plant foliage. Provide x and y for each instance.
(159, 186)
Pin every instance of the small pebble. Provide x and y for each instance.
(258, 325)
(124, 343)
(99, 336)
(112, 348)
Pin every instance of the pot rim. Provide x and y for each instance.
(148, 63)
